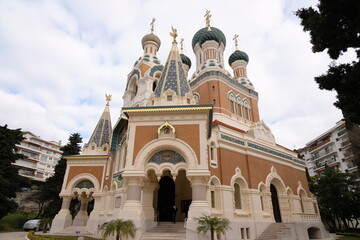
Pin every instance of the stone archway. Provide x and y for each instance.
(314, 233)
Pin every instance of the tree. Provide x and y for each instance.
(10, 180)
(119, 227)
(51, 189)
(334, 26)
(338, 196)
(212, 224)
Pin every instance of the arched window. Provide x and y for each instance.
(215, 198)
(232, 106)
(213, 155)
(154, 85)
(302, 201)
(237, 196)
(247, 110)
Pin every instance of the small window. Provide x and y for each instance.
(213, 88)
(188, 101)
(212, 199)
(169, 97)
(232, 107)
(237, 196)
(214, 102)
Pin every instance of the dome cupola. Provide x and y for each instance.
(150, 42)
(205, 34)
(151, 38)
(238, 55)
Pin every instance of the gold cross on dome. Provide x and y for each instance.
(108, 99)
(173, 33)
(181, 45)
(236, 41)
(152, 24)
(207, 17)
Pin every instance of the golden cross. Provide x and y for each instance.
(208, 16)
(173, 33)
(181, 45)
(108, 99)
(152, 25)
(236, 41)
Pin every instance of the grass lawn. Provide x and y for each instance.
(348, 238)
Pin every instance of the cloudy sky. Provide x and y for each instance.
(59, 58)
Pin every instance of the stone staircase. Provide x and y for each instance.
(273, 231)
(166, 231)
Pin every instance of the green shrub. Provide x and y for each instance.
(31, 235)
(14, 222)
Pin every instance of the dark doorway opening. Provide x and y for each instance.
(275, 204)
(166, 199)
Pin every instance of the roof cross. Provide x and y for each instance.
(173, 33)
(152, 24)
(108, 99)
(207, 17)
(181, 45)
(236, 42)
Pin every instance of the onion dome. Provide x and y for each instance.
(238, 55)
(204, 35)
(185, 60)
(151, 38)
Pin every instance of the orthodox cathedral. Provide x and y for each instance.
(193, 141)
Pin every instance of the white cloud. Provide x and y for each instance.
(59, 58)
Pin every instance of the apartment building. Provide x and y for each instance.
(40, 157)
(332, 148)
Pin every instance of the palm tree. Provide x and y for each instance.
(45, 224)
(214, 224)
(119, 227)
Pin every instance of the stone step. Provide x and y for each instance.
(271, 232)
(166, 231)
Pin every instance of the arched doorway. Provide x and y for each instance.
(275, 203)
(166, 198)
(314, 233)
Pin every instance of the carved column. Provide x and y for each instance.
(63, 219)
(82, 217)
(199, 203)
(133, 208)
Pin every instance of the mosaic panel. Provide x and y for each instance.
(85, 184)
(167, 156)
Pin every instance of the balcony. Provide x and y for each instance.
(321, 165)
(322, 154)
(313, 148)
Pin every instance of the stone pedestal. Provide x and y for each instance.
(63, 219)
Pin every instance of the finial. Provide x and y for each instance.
(181, 46)
(208, 16)
(236, 42)
(108, 99)
(152, 25)
(173, 33)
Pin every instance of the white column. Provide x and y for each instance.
(82, 217)
(199, 203)
(133, 208)
(63, 219)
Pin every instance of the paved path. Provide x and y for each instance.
(13, 236)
